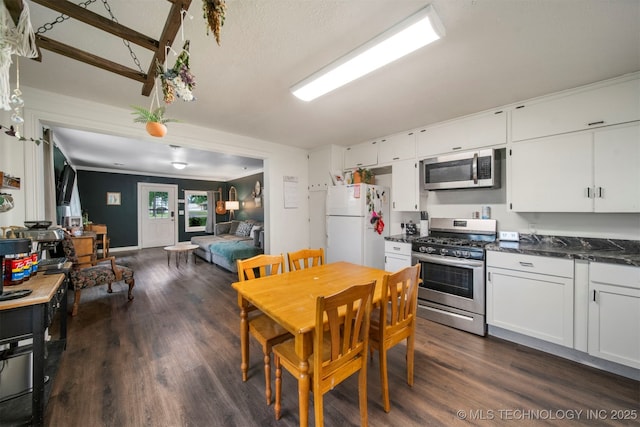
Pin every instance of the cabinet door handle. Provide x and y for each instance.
(594, 295)
(474, 168)
(489, 276)
(600, 122)
(526, 264)
(396, 248)
(600, 192)
(456, 148)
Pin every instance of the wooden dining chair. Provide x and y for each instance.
(395, 321)
(339, 348)
(266, 331)
(305, 258)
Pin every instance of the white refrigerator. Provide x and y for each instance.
(355, 214)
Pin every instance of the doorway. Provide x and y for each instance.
(157, 215)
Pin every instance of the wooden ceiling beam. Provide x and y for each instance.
(98, 21)
(171, 27)
(89, 58)
(15, 9)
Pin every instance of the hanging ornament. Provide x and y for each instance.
(15, 39)
(214, 13)
(177, 81)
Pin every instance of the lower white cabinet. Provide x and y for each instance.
(397, 255)
(531, 295)
(614, 313)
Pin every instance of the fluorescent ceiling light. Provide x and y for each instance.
(416, 31)
(179, 165)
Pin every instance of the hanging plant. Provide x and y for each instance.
(178, 81)
(214, 14)
(154, 119)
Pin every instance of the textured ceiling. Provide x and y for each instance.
(495, 52)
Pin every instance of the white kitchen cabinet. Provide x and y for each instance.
(614, 313)
(397, 255)
(401, 146)
(361, 155)
(590, 171)
(480, 130)
(321, 163)
(531, 295)
(589, 107)
(616, 178)
(405, 186)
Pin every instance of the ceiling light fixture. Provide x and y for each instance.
(179, 165)
(418, 30)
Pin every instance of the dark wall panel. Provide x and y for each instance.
(122, 220)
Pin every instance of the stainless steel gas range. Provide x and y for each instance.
(452, 258)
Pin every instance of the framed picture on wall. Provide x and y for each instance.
(113, 198)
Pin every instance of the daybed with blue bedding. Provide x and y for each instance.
(232, 240)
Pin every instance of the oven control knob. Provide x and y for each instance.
(466, 254)
(443, 251)
(430, 250)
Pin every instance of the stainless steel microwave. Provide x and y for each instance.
(472, 169)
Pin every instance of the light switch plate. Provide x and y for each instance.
(510, 236)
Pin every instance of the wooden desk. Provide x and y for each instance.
(101, 237)
(28, 317)
(290, 299)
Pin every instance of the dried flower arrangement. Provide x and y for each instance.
(178, 81)
(214, 14)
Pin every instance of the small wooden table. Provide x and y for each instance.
(177, 249)
(290, 299)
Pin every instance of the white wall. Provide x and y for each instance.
(286, 228)
(12, 162)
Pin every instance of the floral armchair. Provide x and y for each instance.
(84, 276)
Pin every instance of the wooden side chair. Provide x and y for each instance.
(395, 321)
(339, 348)
(305, 258)
(266, 331)
(87, 272)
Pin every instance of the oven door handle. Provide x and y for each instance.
(443, 260)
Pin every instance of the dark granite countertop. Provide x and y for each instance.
(402, 238)
(610, 251)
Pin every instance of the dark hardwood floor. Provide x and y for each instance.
(171, 358)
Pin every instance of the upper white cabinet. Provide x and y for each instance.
(614, 313)
(589, 108)
(361, 155)
(405, 189)
(531, 295)
(591, 171)
(400, 146)
(481, 130)
(321, 163)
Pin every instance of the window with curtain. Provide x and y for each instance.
(195, 210)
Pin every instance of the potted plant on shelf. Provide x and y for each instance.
(154, 119)
(363, 175)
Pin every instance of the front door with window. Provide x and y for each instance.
(157, 215)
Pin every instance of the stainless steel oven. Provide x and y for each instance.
(452, 290)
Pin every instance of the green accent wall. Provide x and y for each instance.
(122, 220)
